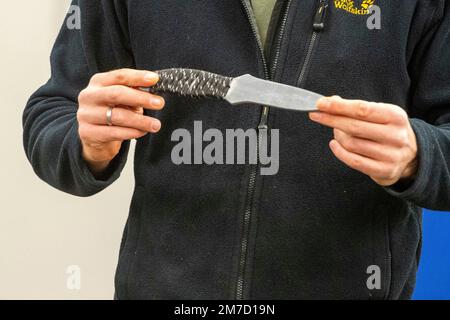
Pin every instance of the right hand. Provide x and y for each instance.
(118, 89)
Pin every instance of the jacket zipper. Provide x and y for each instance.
(262, 129)
(280, 37)
(318, 27)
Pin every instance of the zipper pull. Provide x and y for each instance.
(319, 18)
(263, 122)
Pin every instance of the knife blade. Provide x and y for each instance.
(249, 89)
(245, 89)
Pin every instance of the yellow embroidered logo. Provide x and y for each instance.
(349, 6)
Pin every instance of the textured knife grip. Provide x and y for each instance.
(193, 83)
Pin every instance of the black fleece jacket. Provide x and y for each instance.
(220, 231)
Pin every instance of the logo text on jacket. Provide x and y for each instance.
(350, 6)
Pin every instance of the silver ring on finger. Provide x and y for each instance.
(109, 114)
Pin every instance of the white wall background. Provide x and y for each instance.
(43, 231)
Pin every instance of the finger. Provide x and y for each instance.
(121, 95)
(120, 117)
(126, 77)
(359, 109)
(138, 110)
(366, 147)
(354, 127)
(105, 134)
(360, 163)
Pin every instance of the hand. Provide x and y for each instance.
(373, 138)
(117, 89)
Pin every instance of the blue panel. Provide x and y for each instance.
(434, 273)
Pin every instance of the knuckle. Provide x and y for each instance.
(346, 141)
(336, 133)
(355, 128)
(84, 95)
(355, 162)
(393, 157)
(402, 113)
(402, 138)
(363, 109)
(399, 115)
(405, 155)
(81, 114)
(389, 173)
(118, 117)
(115, 94)
(379, 174)
(350, 144)
(95, 78)
(402, 155)
(120, 75)
(384, 171)
(83, 132)
(139, 111)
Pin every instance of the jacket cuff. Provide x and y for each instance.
(88, 180)
(415, 190)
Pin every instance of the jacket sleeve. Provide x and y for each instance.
(430, 112)
(50, 137)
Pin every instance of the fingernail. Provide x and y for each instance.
(157, 102)
(156, 126)
(333, 144)
(151, 76)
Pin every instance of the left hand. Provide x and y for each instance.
(374, 138)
